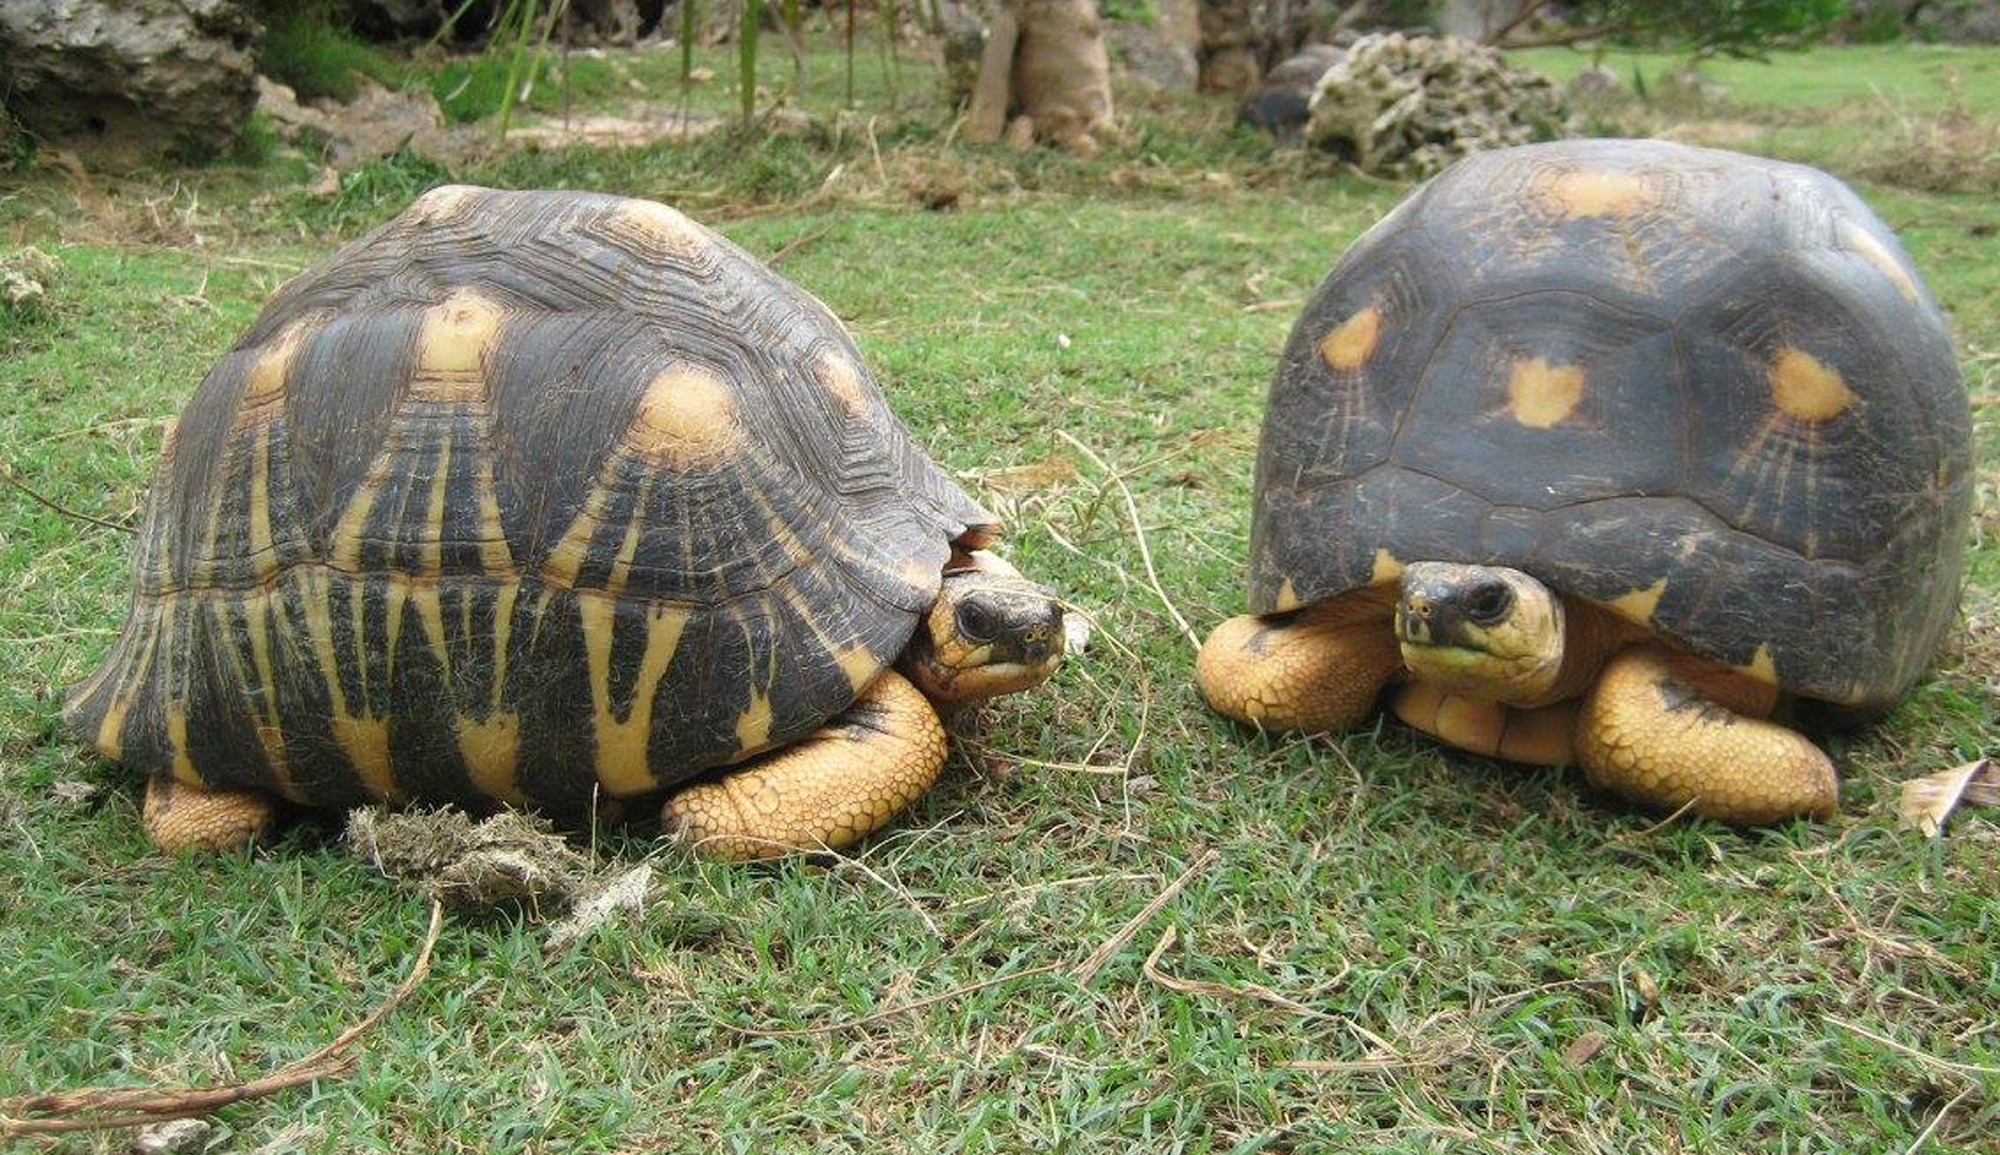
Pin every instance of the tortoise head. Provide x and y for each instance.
(1481, 631)
(991, 631)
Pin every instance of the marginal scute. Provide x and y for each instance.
(1541, 395)
(1349, 344)
(1806, 388)
(1760, 666)
(1638, 605)
(1288, 598)
(1386, 568)
(686, 418)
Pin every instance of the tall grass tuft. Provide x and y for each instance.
(306, 48)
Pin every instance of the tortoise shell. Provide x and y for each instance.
(1706, 391)
(522, 497)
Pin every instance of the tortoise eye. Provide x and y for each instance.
(975, 622)
(1489, 603)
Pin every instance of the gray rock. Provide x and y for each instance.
(131, 79)
(1165, 51)
(377, 122)
(1407, 106)
(178, 1137)
(1596, 82)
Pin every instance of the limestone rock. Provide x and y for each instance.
(1407, 106)
(1165, 51)
(131, 79)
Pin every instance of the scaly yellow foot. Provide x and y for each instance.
(1316, 669)
(178, 816)
(828, 790)
(1648, 733)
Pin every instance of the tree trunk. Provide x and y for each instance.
(1043, 76)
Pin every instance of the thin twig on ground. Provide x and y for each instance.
(82, 1109)
(1138, 533)
(7, 475)
(1088, 969)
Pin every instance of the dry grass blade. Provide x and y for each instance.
(1139, 533)
(1912, 1052)
(1151, 969)
(1111, 946)
(899, 1008)
(90, 1108)
(1927, 802)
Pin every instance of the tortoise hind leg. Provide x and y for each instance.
(1320, 668)
(179, 816)
(1656, 731)
(826, 791)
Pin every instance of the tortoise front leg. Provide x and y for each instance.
(1540, 736)
(179, 816)
(1652, 731)
(1320, 668)
(827, 791)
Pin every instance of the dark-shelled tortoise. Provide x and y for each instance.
(1610, 452)
(534, 498)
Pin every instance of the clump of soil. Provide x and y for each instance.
(448, 855)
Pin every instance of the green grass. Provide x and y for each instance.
(1829, 77)
(1866, 108)
(304, 47)
(1446, 926)
(470, 87)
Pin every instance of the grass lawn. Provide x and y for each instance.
(1392, 948)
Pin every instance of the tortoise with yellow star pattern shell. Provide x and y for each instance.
(1610, 452)
(538, 498)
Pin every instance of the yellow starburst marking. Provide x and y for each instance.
(621, 742)
(842, 378)
(1592, 193)
(663, 226)
(1541, 395)
(1807, 389)
(455, 348)
(1348, 345)
(686, 418)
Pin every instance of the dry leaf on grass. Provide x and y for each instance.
(1586, 1045)
(1928, 801)
(627, 892)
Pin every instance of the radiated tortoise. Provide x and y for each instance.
(1610, 452)
(537, 498)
